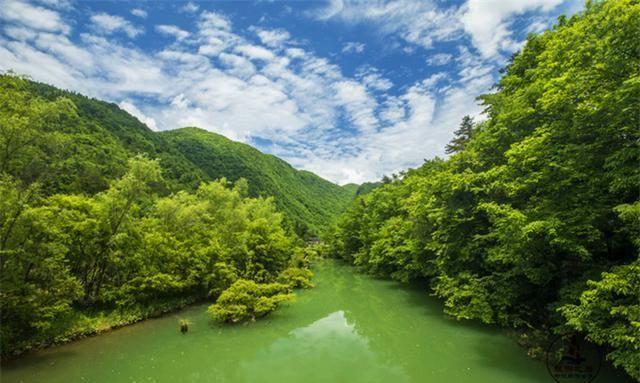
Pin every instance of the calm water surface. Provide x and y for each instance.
(350, 328)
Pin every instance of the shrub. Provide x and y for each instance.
(246, 299)
(296, 277)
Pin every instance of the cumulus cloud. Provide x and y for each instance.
(255, 52)
(419, 22)
(372, 79)
(139, 13)
(107, 24)
(487, 21)
(172, 30)
(422, 23)
(261, 84)
(190, 7)
(34, 17)
(133, 110)
(273, 38)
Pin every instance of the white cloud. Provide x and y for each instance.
(418, 22)
(439, 59)
(172, 30)
(20, 33)
(130, 108)
(333, 8)
(487, 21)
(537, 26)
(345, 128)
(108, 24)
(353, 47)
(372, 78)
(422, 23)
(34, 17)
(190, 7)
(238, 65)
(295, 53)
(273, 38)
(255, 52)
(213, 21)
(358, 103)
(65, 50)
(139, 13)
(57, 4)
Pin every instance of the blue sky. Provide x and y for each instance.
(350, 90)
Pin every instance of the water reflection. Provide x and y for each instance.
(350, 328)
(328, 350)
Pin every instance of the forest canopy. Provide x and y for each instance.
(70, 143)
(533, 222)
(126, 249)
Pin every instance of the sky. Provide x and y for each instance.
(350, 90)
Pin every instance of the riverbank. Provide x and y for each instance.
(86, 323)
(350, 327)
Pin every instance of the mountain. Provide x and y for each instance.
(82, 153)
(361, 189)
(84, 150)
(367, 188)
(304, 196)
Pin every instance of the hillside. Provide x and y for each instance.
(86, 149)
(304, 196)
(533, 223)
(82, 153)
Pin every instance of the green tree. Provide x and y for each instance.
(248, 300)
(462, 135)
(36, 286)
(533, 223)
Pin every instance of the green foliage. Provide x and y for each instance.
(308, 200)
(93, 233)
(533, 223)
(366, 188)
(609, 313)
(462, 136)
(36, 288)
(248, 300)
(73, 144)
(126, 249)
(296, 277)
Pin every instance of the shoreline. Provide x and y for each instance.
(74, 336)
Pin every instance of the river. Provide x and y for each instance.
(350, 328)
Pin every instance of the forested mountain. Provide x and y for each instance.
(305, 197)
(93, 236)
(367, 187)
(82, 150)
(533, 223)
(86, 149)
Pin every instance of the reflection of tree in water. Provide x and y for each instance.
(349, 328)
(373, 330)
(407, 328)
(366, 321)
(328, 350)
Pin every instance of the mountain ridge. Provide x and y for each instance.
(85, 153)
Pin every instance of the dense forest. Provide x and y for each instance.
(310, 200)
(533, 223)
(93, 237)
(88, 146)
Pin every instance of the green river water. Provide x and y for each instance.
(350, 328)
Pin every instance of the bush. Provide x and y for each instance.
(246, 299)
(296, 278)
